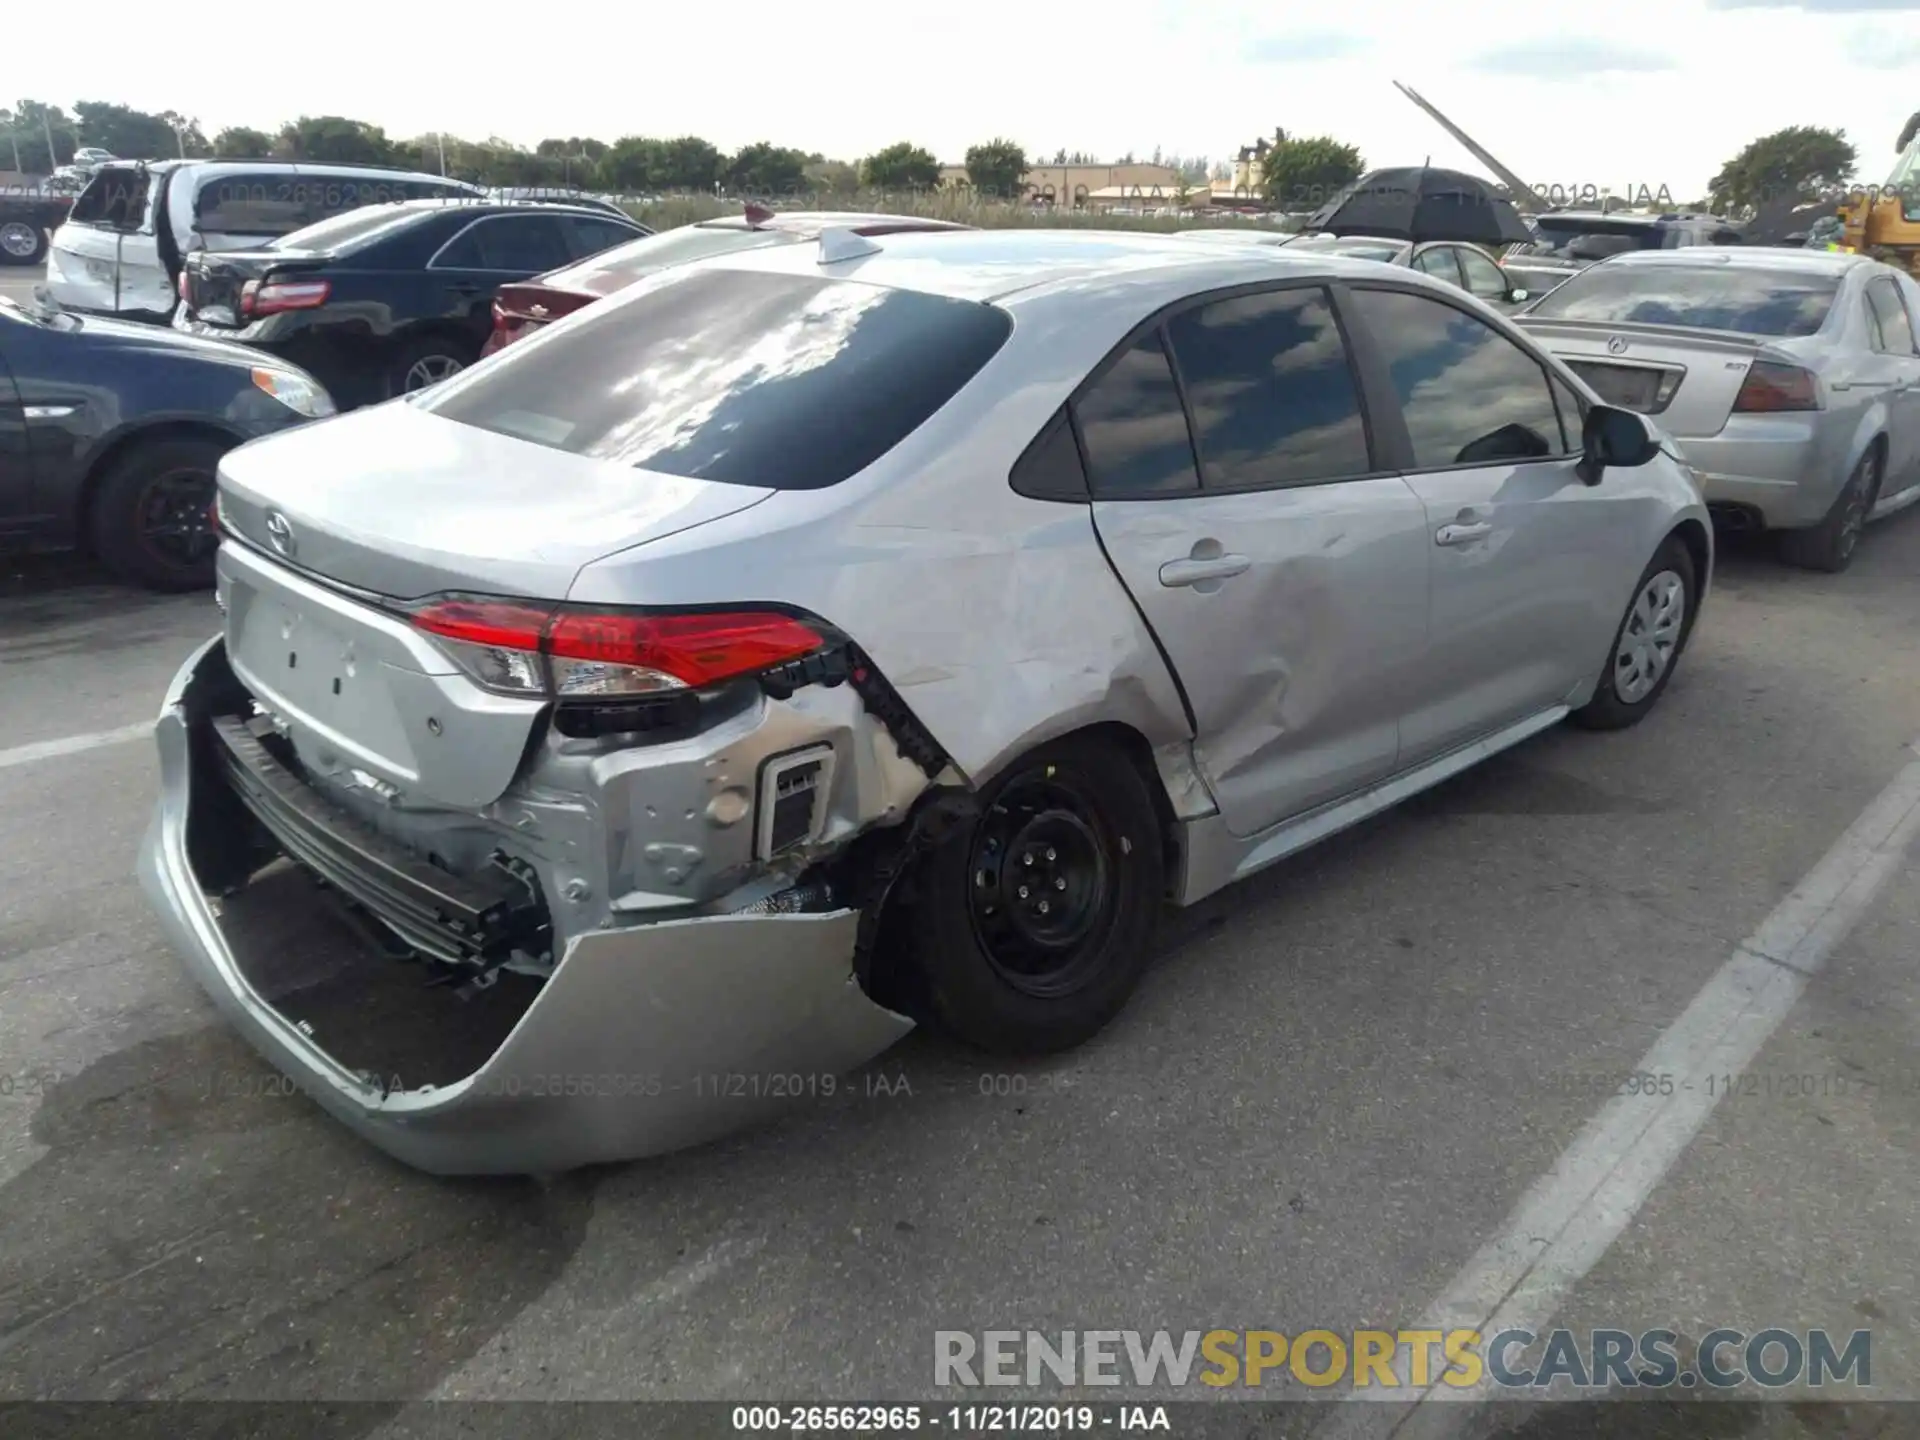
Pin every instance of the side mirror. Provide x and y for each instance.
(1612, 436)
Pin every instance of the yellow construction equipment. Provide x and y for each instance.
(1884, 220)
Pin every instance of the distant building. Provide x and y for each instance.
(1074, 185)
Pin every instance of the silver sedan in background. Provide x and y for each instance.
(1454, 262)
(812, 640)
(1791, 379)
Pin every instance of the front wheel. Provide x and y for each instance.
(1032, 928)
(1647, 646)
(22, 243)
(152, 513)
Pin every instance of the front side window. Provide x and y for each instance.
(1482, 275)
(1439, 263)
(1271, 391)
(1469, 394)
(785, 381)
(1135, 429)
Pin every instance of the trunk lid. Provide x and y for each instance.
(211, 280)
(1688, 378)
(401, 503)
(525, 307)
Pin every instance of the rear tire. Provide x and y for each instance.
(151, 515)
(1032, 927)
(1830, 546)
(22, 243)
(1648, 643)
(425, 362)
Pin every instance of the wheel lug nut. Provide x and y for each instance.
(1027, 859)
(1023, 892)
(1059, 884)
(1043, 907)
(1050, 854)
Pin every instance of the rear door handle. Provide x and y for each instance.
(1461, 534)
(1196, 572)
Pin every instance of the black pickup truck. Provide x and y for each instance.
(28, 214)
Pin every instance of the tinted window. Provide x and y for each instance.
(1469, 394)
(1270, 390)
(1896, 330)
(279, 202)
(1134, 428)
(524, 244)
(1559, 233)
(1741, 299)
(613, 268)
(591, 236)
(1051, 469)
(349, 231)
(1484, 278)
(786, 381)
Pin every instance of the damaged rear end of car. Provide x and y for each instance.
(512, 880)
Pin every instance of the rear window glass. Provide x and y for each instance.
(115, 198)
(627, 263)
(1605, 237)
(786, 381)
(1745, 301)
(350, 231)
(280, 202)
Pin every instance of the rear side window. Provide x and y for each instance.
(1135, 429)
(1739, 299)
(1896, 330)
(1271, 391)
(1469, 394)
(592, 235)
(791, 382)
(522, 244)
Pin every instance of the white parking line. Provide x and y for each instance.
(73, 744)
(1566, 1222)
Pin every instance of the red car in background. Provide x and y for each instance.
(526, 306)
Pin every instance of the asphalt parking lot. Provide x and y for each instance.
(1348, 1089)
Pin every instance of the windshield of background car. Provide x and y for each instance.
(115, 199)
(791, 382)
(1779, 303)
(1343, 245)
(612, 269)
(1559, 233)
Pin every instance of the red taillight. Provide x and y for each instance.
(584, 654)
(1770, 388)
(259, 298)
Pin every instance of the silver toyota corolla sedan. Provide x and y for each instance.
(1790, 379)
(638, 730)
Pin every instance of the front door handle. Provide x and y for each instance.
(1461, 534)
(1198, 572)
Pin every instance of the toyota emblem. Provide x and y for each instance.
(1617, 345)
(279, 532)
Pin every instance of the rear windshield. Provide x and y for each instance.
(280, 202)
(792, 382)
(347, 232)
(1779, 303)
(627, 263)
(115, 198)
(1614, 236)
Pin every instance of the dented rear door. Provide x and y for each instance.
(1285, 580)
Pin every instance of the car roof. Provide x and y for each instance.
(993, 264)
(1746, 257)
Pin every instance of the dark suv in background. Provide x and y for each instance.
(391, 298)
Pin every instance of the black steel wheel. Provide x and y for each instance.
(1032, 929)
(152, 513)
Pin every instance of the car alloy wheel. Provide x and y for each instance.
(1853, 512)
(430, 370)
(175, 518)
(17, 239)
(1041, 884)
(1651, 636)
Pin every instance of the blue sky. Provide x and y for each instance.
(1636, 92)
